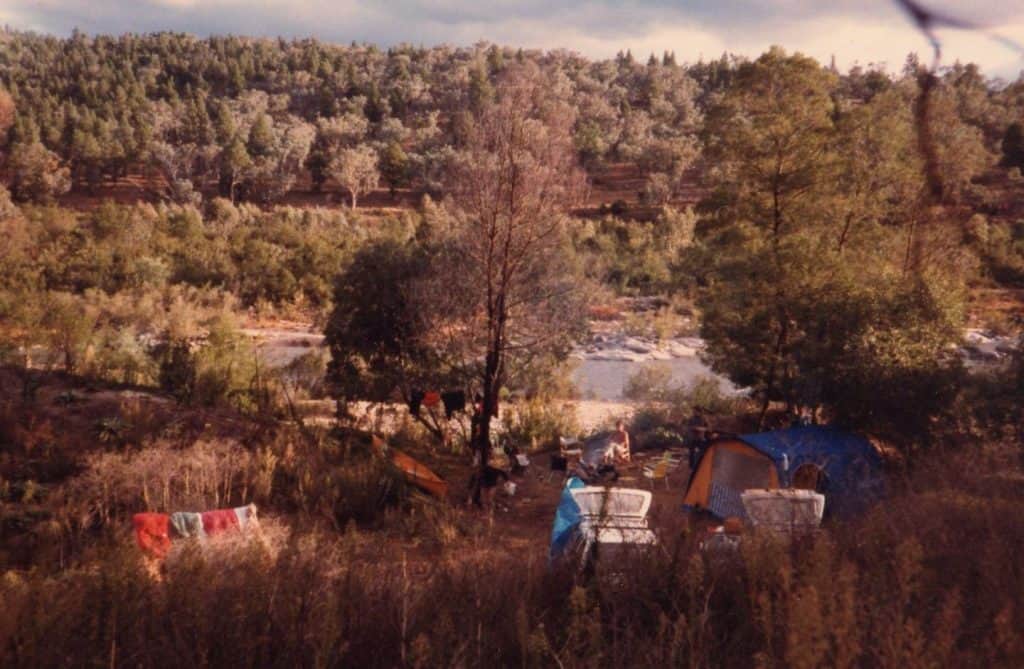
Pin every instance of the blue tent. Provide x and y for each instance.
(846, 467)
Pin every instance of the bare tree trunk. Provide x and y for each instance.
(492, 380)
(511, 186)
(780, 343)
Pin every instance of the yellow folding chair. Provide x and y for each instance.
(658, 470)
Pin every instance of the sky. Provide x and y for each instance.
(864, 31)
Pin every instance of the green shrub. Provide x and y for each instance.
(221, 370)
(660, 420)
(537, 422)
(652, 382)
(338, 479)
(177, 374)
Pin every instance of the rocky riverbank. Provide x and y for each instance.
(982, 347)
(625, 348)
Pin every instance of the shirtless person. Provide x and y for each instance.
(618, 445)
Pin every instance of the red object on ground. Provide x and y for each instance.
(431, 398)
(221, 520)
(151, 532)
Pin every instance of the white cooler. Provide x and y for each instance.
(784, 510)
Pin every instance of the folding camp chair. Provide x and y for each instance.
(658, 470)
(519, 463)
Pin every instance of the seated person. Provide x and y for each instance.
(618, 445)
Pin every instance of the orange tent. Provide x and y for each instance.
(729, 467)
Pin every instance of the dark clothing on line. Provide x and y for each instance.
(453, 401)
(415, 400)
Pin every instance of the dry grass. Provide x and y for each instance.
(931, 578)
(353, 569)
(163, 477)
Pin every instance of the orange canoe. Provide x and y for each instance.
(415, 472)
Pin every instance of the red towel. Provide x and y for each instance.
(151, 532)
(221, 520)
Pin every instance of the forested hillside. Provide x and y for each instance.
(251, 119)
(172, 118)
(170, 171)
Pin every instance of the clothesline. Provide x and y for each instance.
(454, 401)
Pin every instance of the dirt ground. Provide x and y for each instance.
(522, 523)
(528, 515)
(1002, 306)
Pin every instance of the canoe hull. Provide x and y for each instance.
(415, 472)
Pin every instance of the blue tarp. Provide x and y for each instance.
(594, 448)
(852, 466)
(567, 519)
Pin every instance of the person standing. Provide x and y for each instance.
(697, 435)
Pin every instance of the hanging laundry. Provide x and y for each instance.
(246, 515)
(151, 533)
(453, 401)
(154, 532)
(431, 398)
(415, 400)
(221, 520)
(187, 524)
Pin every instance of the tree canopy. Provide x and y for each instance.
(810, 299)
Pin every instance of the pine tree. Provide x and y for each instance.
(224, 126)
(1013, 145)
(261, 138)
(495, 59)
(394, 166)
(480, 90)
(806, 292)
(234, 160)
(200, 127)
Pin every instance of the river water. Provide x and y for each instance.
(604, 366)
(596, 377)
(606, 379)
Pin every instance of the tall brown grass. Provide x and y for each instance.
(928, 579)
(368, 574)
